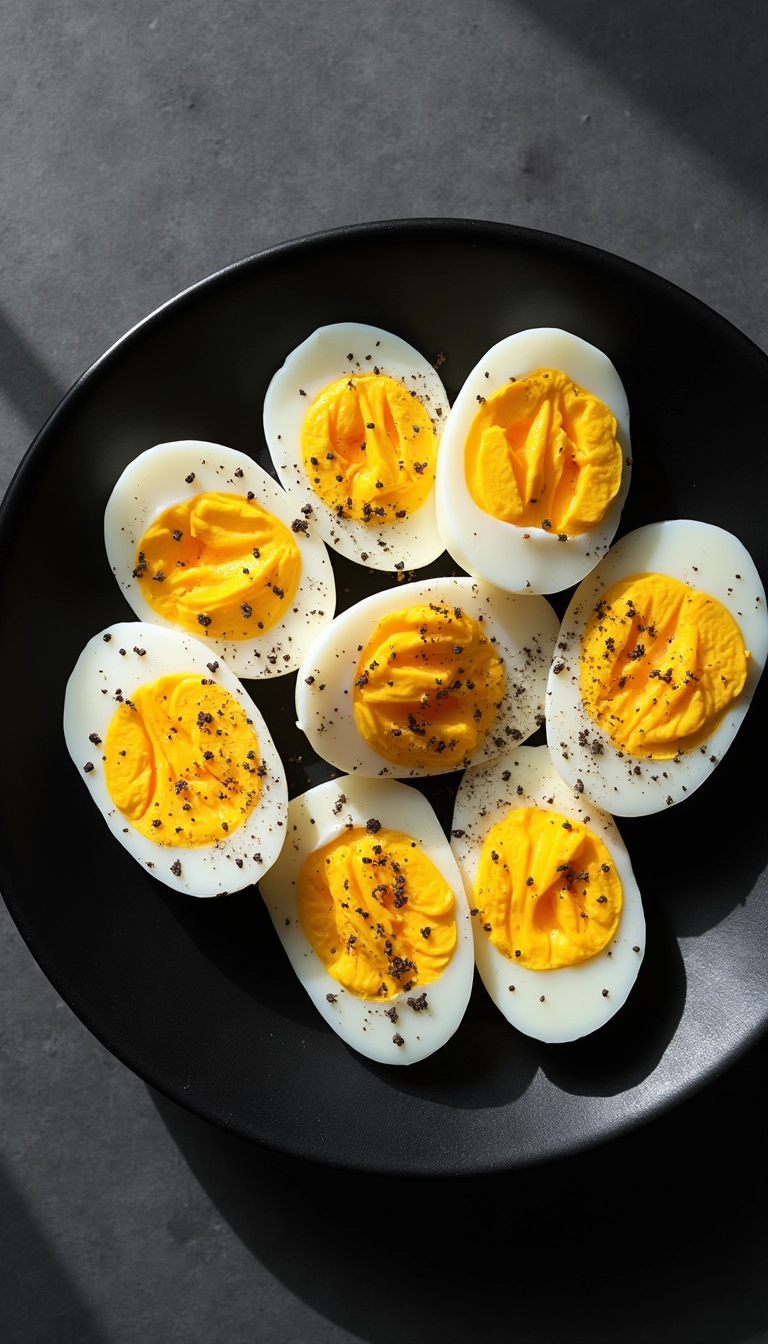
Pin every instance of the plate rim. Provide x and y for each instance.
(420, 224)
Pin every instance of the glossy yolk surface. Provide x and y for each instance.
(427, 686)
(377, 912)
(182, 761)
(660, 663)
(369, 449)
(220, 565)
(546, 891)
(543, 453)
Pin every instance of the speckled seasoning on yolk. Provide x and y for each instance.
(182, 762)
(543, 453)
(427, 687)
(546, 892)
(219, 565)
(377, 912)
(369, 449)
(660, 663)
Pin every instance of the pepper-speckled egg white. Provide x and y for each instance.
(341, 351)
(113, 664)
(568, 1002)
(172, 473)
(710, 561)
(526, 559)
(320, 816)
(521, 629)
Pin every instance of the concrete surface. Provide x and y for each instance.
(142, 147)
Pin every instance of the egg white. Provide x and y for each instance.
(573, 1000)
(155, 480)
(525, 560)
(314, 819)
(333, 352)
(111, 663)
(708, 559)
(326, 677)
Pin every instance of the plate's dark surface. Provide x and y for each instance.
(197, 996)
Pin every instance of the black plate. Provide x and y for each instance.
(197, 996)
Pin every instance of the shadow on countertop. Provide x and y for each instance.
(659, 1235)
(39, 1302)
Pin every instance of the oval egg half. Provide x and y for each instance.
(520, 630)
(375, 438)
(414, 1022)
(539, 557)
(185, 755)
(570, 1001)
(209, 564)
(707, 563)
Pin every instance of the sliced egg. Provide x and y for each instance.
(426, 678)
(353, 421)
(535, 463)
(177, 758)
(557, 916)
(656, 663)
(369, 905)
(200, 538)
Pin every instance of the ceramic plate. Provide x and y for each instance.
(197, 996)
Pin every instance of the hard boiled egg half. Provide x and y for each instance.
(535, 463)
(656, 663)
(426, 677)
(201, 539)
(556, 912)
(369, 905)
(177, 758)
(353, 421)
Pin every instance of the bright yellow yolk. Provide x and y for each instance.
(546, 892)
(543, 453)
(369, 449)
(377, 911)
(427, 687)
(182, 761)
(660, 663)
(219, 565)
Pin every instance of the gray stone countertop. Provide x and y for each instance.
(141, 148)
